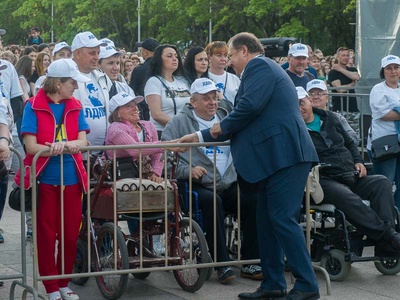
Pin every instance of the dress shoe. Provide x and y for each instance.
(395, 241)
(263, 294)
(301, 295)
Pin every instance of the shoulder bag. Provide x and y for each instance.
(385, 147)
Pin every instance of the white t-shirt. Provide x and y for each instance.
(94, 109)
(26, 83)
(38, 84)
(9, 83)
(227, 83)
(223, 157)
(179, 88)
(123, 87)
(382, 100)
(7, 118)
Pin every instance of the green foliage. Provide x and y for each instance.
(320, 23)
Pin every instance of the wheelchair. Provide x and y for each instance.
(112, 249)
(336, 244)
(230, 221)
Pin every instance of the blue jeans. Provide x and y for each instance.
(3, 194)
(391, 169)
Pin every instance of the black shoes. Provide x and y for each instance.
(301, 295)
(263, 294)
(225, 274)
(395, 241)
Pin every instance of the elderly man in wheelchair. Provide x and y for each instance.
(345, 182)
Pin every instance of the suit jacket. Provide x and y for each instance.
(266, 128)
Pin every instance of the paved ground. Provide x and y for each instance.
(364, 282)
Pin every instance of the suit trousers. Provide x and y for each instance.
(279, 199)
(49, 231)
(377, 220)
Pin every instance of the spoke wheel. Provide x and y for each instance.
(111, 286)
(191, 279)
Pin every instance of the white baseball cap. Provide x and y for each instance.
(390, 59)
(316, 84)
(203, 86)
(301, 92)
(123, 98)
(298, 50)
(60, 46)
(86, 39)
(108, 51)
(108, 42)
(65, 68)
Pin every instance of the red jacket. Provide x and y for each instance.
(47, 120)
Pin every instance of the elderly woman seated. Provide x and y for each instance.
(127, 129)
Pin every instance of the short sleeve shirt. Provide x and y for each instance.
(179, 88)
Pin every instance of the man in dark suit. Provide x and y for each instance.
(273, 154)
(139, 74)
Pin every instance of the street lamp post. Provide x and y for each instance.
(139, 38)
(210, 26)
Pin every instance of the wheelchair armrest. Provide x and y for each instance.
(324, 207)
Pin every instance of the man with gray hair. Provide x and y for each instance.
(93, 94)
(202, 112)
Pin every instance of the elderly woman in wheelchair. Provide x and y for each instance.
(345, 182)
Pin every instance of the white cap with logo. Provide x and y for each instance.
(123, 98)
(108, 51)
(86, 40)
(60, 46)
(203, 86)
(301, 92)
(64, 68)
(390, 59)
(316, 84)
(298, 50)
(108, 42)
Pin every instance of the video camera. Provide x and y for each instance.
(277, 46)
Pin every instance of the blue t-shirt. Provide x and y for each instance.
(51, 174)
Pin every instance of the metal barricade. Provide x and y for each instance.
(141, 266)
(21, 279)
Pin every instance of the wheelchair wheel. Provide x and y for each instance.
(111, 286)
(334, 263)
(81, 263)
(191, 279)
(388, 266)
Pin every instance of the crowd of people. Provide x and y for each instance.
(57, 96)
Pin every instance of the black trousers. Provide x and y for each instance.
(226, 202)
(377, 220)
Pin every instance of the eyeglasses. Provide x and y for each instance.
(317, 94)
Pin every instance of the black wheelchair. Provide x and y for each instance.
(336, 243)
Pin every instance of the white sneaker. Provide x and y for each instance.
(55, 296)
(68, 294)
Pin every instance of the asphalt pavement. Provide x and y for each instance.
(364, 282)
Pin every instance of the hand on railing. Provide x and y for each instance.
(57, 148)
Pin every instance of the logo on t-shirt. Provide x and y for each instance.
(93, 95)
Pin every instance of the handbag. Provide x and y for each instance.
(385, 147)
(14, 200)
(126, 167)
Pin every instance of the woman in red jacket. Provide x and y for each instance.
(54, 120)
